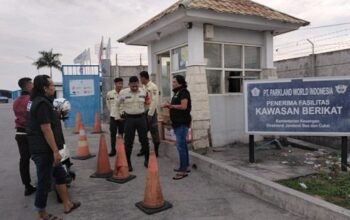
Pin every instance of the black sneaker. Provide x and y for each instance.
(29, 190)
(141, 153)
(111, 154)
(72, 174)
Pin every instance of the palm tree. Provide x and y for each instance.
(48, 59)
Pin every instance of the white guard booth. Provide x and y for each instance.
(216, 45)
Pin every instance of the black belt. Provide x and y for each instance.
(134, 115)
(22, 130)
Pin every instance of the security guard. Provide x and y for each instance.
(151, 112)
(114, 124)
(131, 106)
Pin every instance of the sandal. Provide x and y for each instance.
(178, 170)
(180, 176)
(51, 217)
(75, 206)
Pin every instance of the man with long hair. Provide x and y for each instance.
(45, 142)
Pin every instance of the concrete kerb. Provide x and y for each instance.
(283, 197)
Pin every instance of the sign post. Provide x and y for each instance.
(344, 153)
(251, 149)
(309, 106)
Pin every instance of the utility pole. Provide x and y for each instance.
(140, 59)
(313, 60)
(117, 66)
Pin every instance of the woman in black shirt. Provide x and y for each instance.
(180, 116)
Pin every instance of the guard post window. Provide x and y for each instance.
(179, 61)
(228, 65)
(212, 56)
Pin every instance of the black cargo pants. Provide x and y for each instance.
(136, 123)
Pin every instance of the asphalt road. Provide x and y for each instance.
(195, 197)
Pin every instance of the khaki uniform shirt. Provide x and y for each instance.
(132, 103)
(153, 92)
(111, 99)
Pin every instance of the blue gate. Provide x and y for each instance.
(15, 94)
(81, 87)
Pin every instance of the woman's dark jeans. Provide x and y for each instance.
(181, 145)
(45, 171)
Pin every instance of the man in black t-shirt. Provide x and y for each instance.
(45, 142)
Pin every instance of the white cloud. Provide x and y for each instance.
(67, 26)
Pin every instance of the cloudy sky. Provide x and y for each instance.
(70, 26)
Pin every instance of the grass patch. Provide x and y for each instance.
(332, 187)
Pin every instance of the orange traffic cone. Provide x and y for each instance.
(82, 152)
(121, 170)
(103, 167)
(77, 123)
(97, 125)
(153, 201)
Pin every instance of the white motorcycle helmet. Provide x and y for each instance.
(62, 105)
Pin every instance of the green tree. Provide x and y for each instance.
(48, 59)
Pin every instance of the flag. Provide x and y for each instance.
(108, 49)
(81, 58)
(101, 51)
(88, 56)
